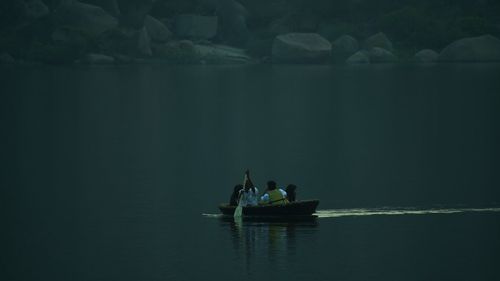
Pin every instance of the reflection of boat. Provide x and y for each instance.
(291, 210)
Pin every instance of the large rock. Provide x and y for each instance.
(378, 40)
(279, 26)
(110, 6)
(300, 48)
(344, 47)
(182, 51)
(36, 9)
(134, 12)
(232, 28)
(126, 41)
(381, 55)
(197, 27)
(426, 56)
(6, 58)
(221, 54)
(64, 35)
(473, 49)
(90, 19)
(360, 57)
(295, 22)
(157, 30)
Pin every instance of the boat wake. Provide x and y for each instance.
(335, 213)
(387, 211)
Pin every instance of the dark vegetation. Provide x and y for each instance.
(410, 24)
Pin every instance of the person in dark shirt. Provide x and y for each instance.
(234, 197)
(290, 192)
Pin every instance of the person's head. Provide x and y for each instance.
(291, 188)
(271, 185)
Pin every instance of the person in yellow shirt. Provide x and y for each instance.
(273, 195)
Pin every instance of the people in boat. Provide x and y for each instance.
(290, 192)
(249, 196)
(274, 195)
(234, 196)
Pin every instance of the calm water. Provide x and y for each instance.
(115, 173)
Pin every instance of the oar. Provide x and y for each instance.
(239, 210)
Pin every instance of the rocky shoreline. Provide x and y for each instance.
(77, 32)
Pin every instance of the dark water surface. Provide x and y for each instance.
(107, 172)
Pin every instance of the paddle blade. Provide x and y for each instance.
(238, 212)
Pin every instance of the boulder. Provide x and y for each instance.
(6, 58)
(221, 54)
(296, 22)
(182, 51)
(97, 59)
(344, 47)
(68, 36)
(196, 27)
(378, 40)
(377, 54)
(157, 30)
(90, 19)
(110, 6)
(360, 57)
(125, 41)
(232, 24)
(134, 12)
(279, 26)
(300, 48)
(426, 56)
(144, 42)
(36, 9)
(473, 49)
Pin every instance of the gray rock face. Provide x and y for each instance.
(344, 47)
(97, 59)
(194, 26)
(300, 48)
(360, 57)
(381, 55)
(221, 54)
(378, 40)
(125, 41)
(144, 42)
(110, 6)
(36, 9)
(473, 49)
(279, 26)
(90, 19)
(232, 22)
(134, 12)
(157, 30)
(6, 58)
(182, 51)
(426, 56)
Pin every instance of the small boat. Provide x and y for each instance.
(293, 209)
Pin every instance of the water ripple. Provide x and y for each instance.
(334, 213)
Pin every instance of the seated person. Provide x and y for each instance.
(273, 195)
(234, 196)
(290, 192)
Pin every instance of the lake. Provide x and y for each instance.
(115, 173)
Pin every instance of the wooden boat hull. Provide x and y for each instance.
(294, 209)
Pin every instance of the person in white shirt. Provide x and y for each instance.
(249, 196)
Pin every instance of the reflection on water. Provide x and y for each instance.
(267, 243)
